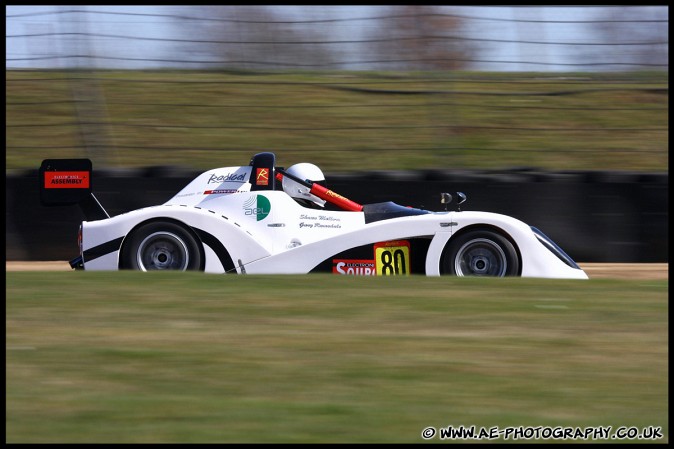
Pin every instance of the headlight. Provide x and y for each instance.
(554, 249)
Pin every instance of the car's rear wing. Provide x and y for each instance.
(65, 182)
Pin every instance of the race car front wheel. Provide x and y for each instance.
(162, 246)
(481, 253)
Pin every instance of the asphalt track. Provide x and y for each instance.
(652, 271)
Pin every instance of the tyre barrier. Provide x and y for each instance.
(596, 216)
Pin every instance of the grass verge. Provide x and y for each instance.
(192, 358)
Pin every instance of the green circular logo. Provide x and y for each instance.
(257, 206)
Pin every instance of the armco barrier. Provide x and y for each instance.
(593, 216)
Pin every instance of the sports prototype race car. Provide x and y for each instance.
(262, 219)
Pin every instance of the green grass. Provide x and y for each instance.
(342, 121)
(192, 358)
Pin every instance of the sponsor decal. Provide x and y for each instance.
(354, 267)
(231, 177)
(320, 221)
(257, 206)
(187, 194)
(66, 180)
(392, 258)
(335, 195)
(217, 191)
(262, 177)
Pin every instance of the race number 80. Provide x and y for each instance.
(392, 258)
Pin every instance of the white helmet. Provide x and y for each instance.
(304, 171)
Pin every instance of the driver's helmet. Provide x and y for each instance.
(300, 193)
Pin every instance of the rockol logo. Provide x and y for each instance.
(257, 206)
(262, 178)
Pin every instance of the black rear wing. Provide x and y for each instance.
(65, 182)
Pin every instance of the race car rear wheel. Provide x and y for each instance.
(162, 245)
(481, 253)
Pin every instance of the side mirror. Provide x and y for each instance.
(446, 198)
(462, 199)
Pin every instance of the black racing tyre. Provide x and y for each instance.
(162, 245)
(481, 253)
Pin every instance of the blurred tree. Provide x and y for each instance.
(630, 24)
(254, 37)
(421, 37)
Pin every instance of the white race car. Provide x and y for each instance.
(262, 219)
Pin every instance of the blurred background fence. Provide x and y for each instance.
(351, 88)
(349, 37)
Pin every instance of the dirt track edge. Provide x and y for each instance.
(656, 271)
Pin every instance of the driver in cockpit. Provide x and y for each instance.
(300, 193)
